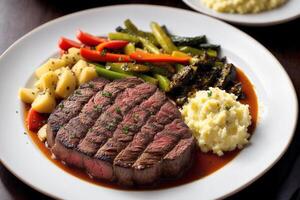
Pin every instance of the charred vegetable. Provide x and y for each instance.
(185, 41)
(227, 75)
(209, 46)
(183, 77)
(237, 90)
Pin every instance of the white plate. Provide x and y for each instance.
(274, 88)
(286, 12)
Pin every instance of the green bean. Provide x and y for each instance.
(130, 26)
(163, 82)
(132, 29)
(123, 36)
(110, 74)
(161, 70)
(212, 53)
(116, 72)
(209, 46)
(149, 46)
(185, 41)
(117, 67)
(162, 38)
(121, 29)
(129, 48)
(148, 79)
(194, 51)
(191, 50)
(128, 67)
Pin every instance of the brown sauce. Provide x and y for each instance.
(204, 163)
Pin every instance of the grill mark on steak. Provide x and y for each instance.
(148, 167)
(77, 127)
(70, 107)
(108, 121)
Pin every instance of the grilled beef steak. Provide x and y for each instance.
(125, 130)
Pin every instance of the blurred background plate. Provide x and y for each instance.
(285, 13)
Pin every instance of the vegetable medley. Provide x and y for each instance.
(178, 65)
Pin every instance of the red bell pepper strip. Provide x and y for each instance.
(141, 56)
(97, 56)
(89, 39)
(65, 44)
(35, 120)
(113, 44)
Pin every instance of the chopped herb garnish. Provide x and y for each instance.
(72, 135)
(118, 110)
(91, 85)
(98, 108)
(61, 106)
(125, 129)
(106, 94)
(78, 92)
(209, 93)
(25, 133)
(110, 126)
(103, 52)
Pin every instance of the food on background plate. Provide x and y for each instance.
(110, 105)
(243, 6)
(218, 121)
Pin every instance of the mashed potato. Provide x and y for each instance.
(218, 121)
(242, 6)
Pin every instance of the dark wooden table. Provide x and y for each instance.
(18, 17)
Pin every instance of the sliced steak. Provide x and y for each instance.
(127, 131)
(177, 159)
(108, 121)
(70, 134)
(124, 161)
(71, 107)
(148, 167)
(107, 124)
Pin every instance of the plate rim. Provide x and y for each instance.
(283, 71)
(191, 5)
